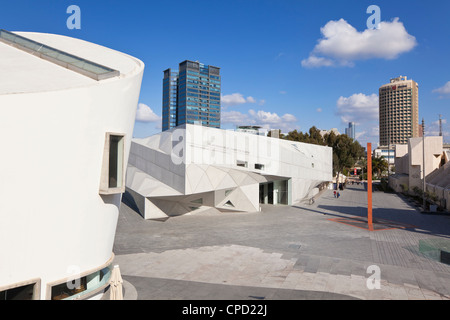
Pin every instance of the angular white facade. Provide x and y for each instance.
(57, 219)
(193, 168)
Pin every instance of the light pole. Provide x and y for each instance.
(389, 154)
(369, 187)
(423, 164)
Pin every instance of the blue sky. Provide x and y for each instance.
(284, 64)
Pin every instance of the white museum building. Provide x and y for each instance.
(67, 112)
(191, 169)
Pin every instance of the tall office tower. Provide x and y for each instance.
(351, 130)
(197, 90)
(399, 111)
(169, 108)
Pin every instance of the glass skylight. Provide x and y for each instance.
(85, 67)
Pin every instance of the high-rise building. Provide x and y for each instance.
(351, 130)
(191, 95)
(170, 90)
(399, 111)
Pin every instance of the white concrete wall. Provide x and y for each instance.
(401, 159)
(51, 213)
(307, 164)
(209, 165)
(396, 182)
(433, 152)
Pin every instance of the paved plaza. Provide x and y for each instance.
(304, 251)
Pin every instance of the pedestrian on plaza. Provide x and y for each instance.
(334, 193)
(338, 195)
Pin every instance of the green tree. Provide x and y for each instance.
(346, 151)
(315, 137)
(297, 136)
(379, 165)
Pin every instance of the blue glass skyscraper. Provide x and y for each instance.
(169, 105)
(191, 95)
(351, 130)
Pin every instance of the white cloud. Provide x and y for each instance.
(235, 99)
(265, 119)
(251, 100)
(145, 114)
(443, 90)
(358, 108)
(433, 129)
(315, 62)
(234, 117)
(283, 92)
(436, 123)
(319, 109)
(341, 44)
(364, 111)
(289, 117)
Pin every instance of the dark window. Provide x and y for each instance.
(259, 166)
(115, 161)
(20, 293)
(64, 290)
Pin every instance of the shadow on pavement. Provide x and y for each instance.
(431, 225)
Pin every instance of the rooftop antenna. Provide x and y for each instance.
(440, 125)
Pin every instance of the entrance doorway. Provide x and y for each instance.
(274, 192)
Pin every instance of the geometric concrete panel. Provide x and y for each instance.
(241, 199)
(215, 175)
(193, 173)
(238, 176)
(208, 166)
(204, 184)
(152, 211)
(226, 182)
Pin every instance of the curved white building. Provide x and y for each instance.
(67, 111)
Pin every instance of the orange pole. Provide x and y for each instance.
(369, 186)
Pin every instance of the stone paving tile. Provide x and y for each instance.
(325, 265)
(307, 253)
(414, 292)
(292, 279)
(397, 292)
(312, 265)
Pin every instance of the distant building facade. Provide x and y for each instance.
(191, 95)
(334, 130)
(252, 130)
(351, 130)
(410, 169)
(398, 111)
(170, 92)
(387, 153)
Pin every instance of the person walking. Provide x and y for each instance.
(334, 193)
(338, 195)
